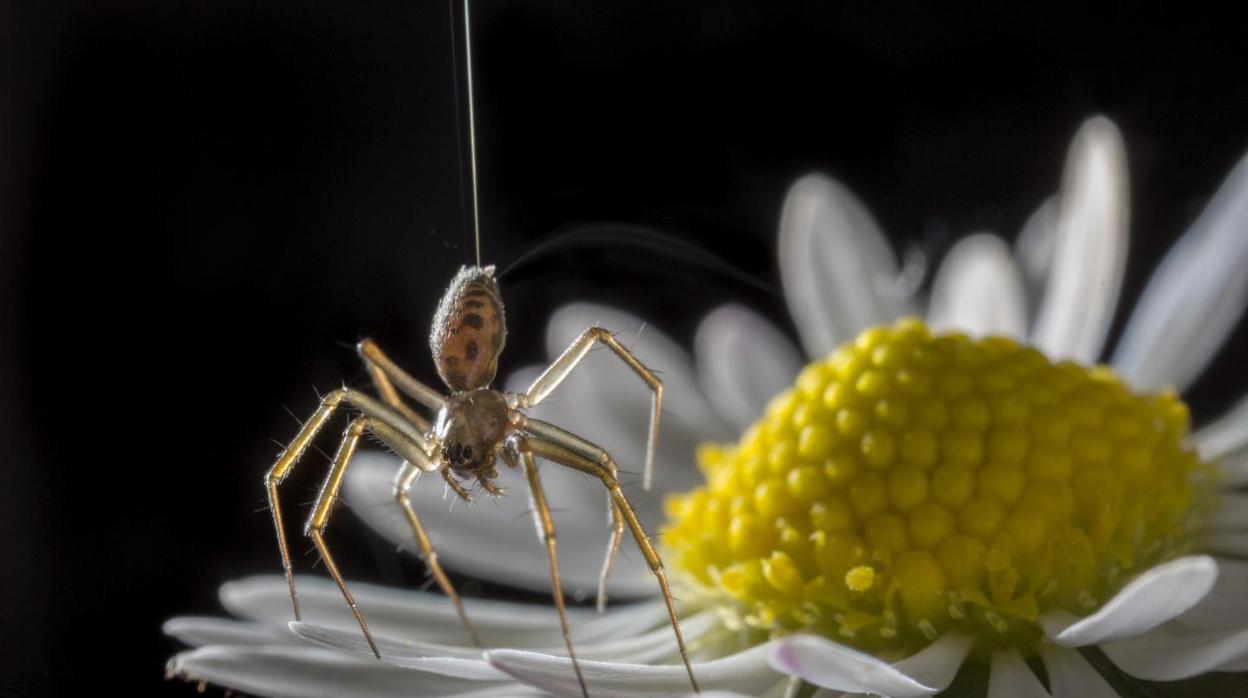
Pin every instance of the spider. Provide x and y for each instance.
(474, 426)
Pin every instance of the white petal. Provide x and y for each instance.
(1174, 652)
(398, 651)
(650, 646)
(494, 538)
(833, 665)
(1034, 249)
(198, 631)
(1231, 511)
(1226, 435)
(395, 612)
(1195, 298)
(743, 360)
(658, 644)
(307, 672)
(779, 690)
(1090, 247)
(1070, 675)
(1226, 605)
(979, 290)
(838, 270)
(428, 616)
(1010, 677)
(745, 672)
(1152, 598)
(447, 660)
(938, 663)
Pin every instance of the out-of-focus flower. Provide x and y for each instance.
(925, 580)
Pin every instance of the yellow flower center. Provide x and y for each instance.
(910, 483)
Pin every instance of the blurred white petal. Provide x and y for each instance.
(450, 660)
(1174, 652)
(309, 672)
(1070, 675)
(654, 644)
(1010, 677)
(198, 631)
(1154, 597)
(1195, 298)
(604, 401)
(613, 384)
(743, 360)
(1225, 435)
(1226, 605)
(837, 268)
(832, 665)
(428, 616)
(1233, 468)
(1034, 251)
(624, 440)
(1231, 511)
(494, 538)
(745, 672)
(979, 290)
(1090, 248)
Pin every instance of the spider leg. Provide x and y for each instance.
(546, 532)
(381, 368)
(319, 520)
(617, 536)
(563, 447)
(568, 360)
(456, 486)
(299, 445)
(588, 450)
(490, 488)
(385, 374)
(402, 483)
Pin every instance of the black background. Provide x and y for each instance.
(206, 203)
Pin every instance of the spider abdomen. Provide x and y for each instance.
(469, 330)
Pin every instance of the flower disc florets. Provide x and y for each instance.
(912, 483)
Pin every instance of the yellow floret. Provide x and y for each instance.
(860, 578)
(910, 483)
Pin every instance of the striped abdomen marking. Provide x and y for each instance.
(469, 330)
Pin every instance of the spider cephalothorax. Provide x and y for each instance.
(471, 428)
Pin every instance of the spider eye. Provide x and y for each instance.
(467, 451)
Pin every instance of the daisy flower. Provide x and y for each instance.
(920, 495)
